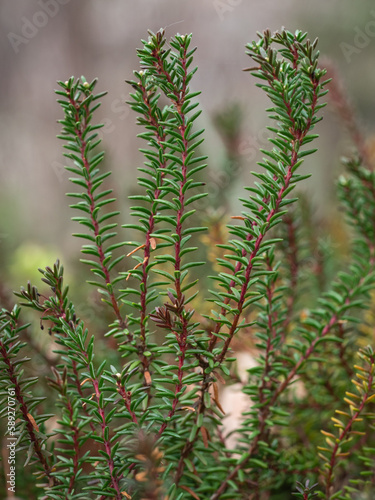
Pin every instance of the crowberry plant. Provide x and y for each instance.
(144, 419)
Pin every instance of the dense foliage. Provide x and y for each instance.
(142, 418)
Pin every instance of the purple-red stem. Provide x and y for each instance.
(126, 396)
(107, 442)
(265, 411)
(25, 414)
(147, 248)
(103, 425)
(298, 136)
(60, 313)
(79, 130)
(180, 337)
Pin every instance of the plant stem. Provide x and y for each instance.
(79, 131)
(34, 439)
(344, 433)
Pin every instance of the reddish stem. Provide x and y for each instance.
(182, 336)
(160, 138)
(126, 396)
(298, 137)
(107, 442)
(103, 424)
(79, 130)
(34, 439)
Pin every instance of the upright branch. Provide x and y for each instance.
(349, 424)
(77, 351)
(75, 342)
(178, 91)
(145, 100)
(25, 432)
(79, 103)
(172, 161)
(293, 82)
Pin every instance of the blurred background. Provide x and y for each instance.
(47, 40)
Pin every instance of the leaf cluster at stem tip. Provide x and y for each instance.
(129, 403)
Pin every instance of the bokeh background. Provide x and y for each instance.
(48, 40)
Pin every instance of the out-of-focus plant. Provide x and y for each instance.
(148, 424)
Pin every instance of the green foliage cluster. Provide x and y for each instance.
(148, 424)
